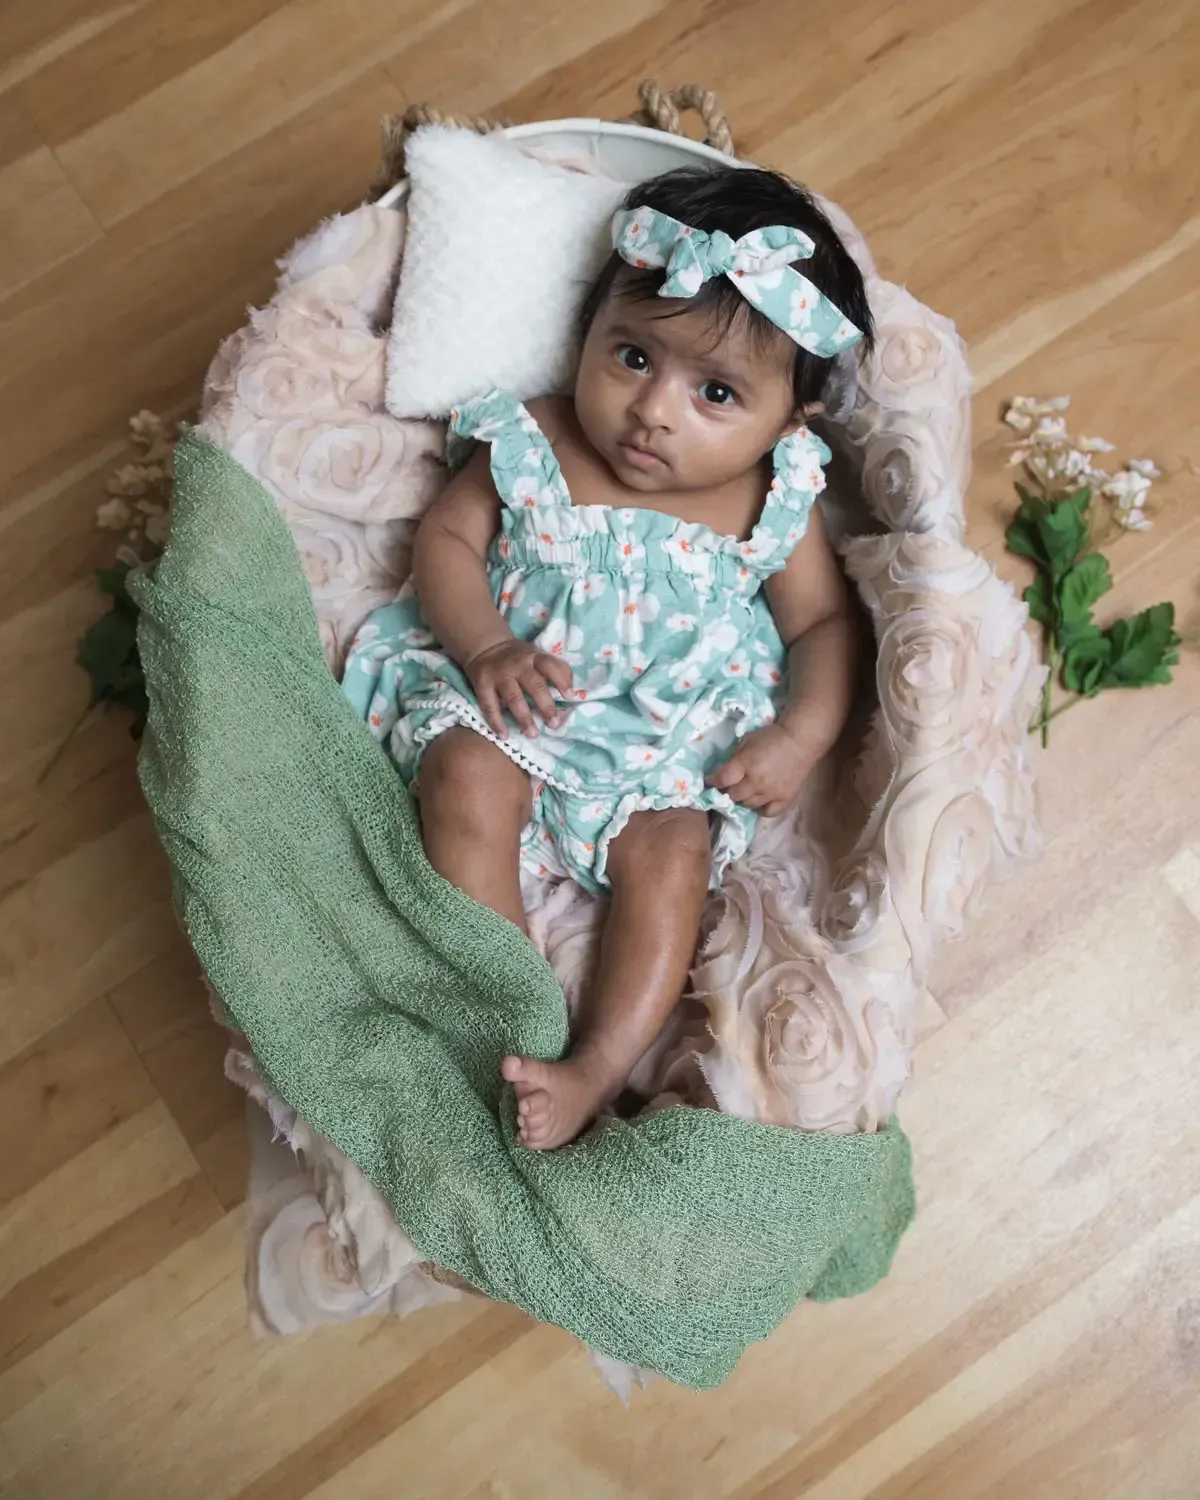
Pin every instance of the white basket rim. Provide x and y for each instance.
(590, 132)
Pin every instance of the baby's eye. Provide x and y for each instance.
(634, 358)
(717, 393)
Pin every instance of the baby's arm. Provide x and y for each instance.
(450, 576)
(812, 610)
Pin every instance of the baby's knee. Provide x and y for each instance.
(466, 778)
(658, 845)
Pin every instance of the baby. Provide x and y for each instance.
(629, 635)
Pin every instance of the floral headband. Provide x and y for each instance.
(758, 264)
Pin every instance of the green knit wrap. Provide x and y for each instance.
(379, 1000)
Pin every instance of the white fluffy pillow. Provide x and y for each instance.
(500, 252)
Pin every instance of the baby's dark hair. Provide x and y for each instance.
(737, 200)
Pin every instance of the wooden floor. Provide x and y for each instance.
(1031, 168)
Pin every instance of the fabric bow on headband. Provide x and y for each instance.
(758, 264)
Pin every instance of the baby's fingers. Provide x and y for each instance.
(555, 670)
(489, 703)
(726, 777)
(513, 695)
(535, 685)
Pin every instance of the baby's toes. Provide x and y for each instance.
(535, 1115)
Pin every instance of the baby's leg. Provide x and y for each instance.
(475, 803)
(659, 868)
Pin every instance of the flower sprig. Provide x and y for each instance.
(1055, 527)
(138, 504)
(1059, 464)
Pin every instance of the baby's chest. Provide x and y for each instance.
(727, 512)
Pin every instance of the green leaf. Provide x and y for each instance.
(1040, 600)
(107, 649)
(1051, 532)
(1085, 663)
(115, 583)
(1087, 581)
(1144, 648)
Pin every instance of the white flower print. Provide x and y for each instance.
(753, 287)
(801, 308)
(587, 692)
(367, 632)
(636, 236)
(655, 708)
(738, 665)
(539, 613)
(629, 549)
(688, 672)
(589, 586)
(689, 280)
(639, 757)
(381, 716)
(528, 492)
(610, 652)
(768, 672)
(636, 660)
(702, 716)
(637, 609)
(681, 544)
(582, 851)
(562, 640)
(593, 814)
(511, 594)
(679, 781)
(723, 636)
(681, 621)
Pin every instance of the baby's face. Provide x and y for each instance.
(670, 406)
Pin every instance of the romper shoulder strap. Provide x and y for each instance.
(799, 461)
(524, 469)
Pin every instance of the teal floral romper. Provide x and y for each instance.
(673, 647)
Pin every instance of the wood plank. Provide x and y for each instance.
(68, 1288)
(162, 288)
(42, 218)
(118, 1173)
(33, 33)
(117, 888)
(78, 1082)
(19, 136)
(164, 1011)
(168, 1360)
(141, 50)
(469, 64)
(291, 61)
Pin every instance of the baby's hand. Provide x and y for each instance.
(766, 771)
(505, 674)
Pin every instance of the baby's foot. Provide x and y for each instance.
(555, 1100)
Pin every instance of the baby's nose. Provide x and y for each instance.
(655, 406)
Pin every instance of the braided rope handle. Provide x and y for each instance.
(661, 109)
(664, 109)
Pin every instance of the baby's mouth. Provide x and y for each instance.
(642, 458)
